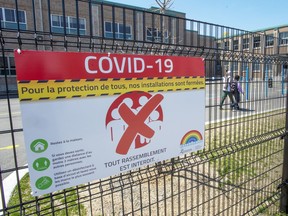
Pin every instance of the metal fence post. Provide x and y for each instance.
(284, 188)
(247, 84)
(282, 80)
(266, 80)
(2, 194)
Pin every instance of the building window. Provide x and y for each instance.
(245, 43)
(235, 67)
(235, 44)
(226, 45)
(226, 65)
(268, 71)
(57, 21)
(269, 40)
(256, 67)
(156, 35)
(121, 31)
(9, 19)
(245, 66)
(256, 42)
(219, 45)
(283, 38)
(269, 67)
(8, 68)
(71, 24)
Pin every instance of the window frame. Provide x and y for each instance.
(10, 66)
(218, 45)
(227, 45)
(256, 43)
(236, 45)
(256, 67)
(235, 66)
(245, 43)
(10, 15)
(225, 65)
(268, 41)
(158, 37)
(82, 27)
(268, 68)
(80, 18)
(12, 23)
(116, 29)
(283, 41)
(60, 22)
(245, 64)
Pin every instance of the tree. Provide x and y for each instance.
(164, 5)
(161, 31)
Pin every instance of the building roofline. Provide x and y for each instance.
(169, 12)
(270, 28)
(119, 4)
(151, 9)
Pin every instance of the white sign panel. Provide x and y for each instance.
(81, 126)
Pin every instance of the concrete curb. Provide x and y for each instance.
(9, 184)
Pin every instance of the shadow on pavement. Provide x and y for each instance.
(240, 110)
(245, 110)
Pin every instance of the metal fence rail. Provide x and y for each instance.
(240, 170)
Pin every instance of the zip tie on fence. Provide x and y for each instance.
(79, 44)
(19, 40)
(284, 135)
(65, 43)
(283, 184)
(35, 39)
(51, 41)
(127, 47)
(124, 44)
(92, 45)
(103, 49)
(116, 49)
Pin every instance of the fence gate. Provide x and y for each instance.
(240, 171)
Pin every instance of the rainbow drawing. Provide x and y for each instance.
(191, 137)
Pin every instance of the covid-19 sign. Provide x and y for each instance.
(87, 116)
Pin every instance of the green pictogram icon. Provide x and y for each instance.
(43, 183)
(39, 145)
(41, 164)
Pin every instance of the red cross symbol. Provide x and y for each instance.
(136, 123)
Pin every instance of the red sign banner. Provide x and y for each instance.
(73, 65)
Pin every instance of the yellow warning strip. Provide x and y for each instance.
(57, 89)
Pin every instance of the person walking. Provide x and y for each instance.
(236, 89)
(227, 90)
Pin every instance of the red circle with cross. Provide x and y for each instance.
(139, 115)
